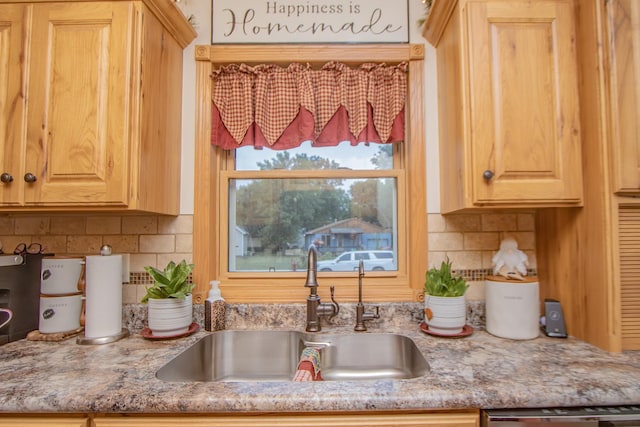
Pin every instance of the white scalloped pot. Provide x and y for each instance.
(445, 315)
(170, 316)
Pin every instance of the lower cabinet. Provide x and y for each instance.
(445, 419)
(470, 418)
(44, 421)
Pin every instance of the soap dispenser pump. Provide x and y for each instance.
(214, 309)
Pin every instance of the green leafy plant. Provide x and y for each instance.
(440, 282)
(170, 282)
(427, 9)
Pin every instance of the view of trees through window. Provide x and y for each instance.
(313, 196)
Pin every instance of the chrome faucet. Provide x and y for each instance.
(361, 314)
(315, 308)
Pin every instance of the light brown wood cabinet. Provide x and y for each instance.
(467, 418)
(44, 421)
(623, 49)
(90, 105)
(508, 103)
(442, 419)
(588, 258)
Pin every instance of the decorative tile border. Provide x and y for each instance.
(143, 278)
(482, 273)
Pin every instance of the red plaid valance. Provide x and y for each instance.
(268, 105)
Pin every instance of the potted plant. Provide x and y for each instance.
(170, 304)
(427, 9)
(445, 306)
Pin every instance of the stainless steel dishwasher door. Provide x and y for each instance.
(603, 416)
(532, 421)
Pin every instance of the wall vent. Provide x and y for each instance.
(629, 232)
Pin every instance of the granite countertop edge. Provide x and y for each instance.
(478, 371)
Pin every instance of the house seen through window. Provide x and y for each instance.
(341, 199)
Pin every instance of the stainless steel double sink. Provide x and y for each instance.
(261, 355)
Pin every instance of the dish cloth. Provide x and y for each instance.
(309, 366)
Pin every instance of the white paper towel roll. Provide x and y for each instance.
(103, 316)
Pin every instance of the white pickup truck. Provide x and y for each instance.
(348, 261)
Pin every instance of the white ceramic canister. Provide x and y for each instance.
(512, 307)
(60, 275)
(59, 313)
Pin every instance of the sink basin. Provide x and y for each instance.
(371, 357)
(274, 355)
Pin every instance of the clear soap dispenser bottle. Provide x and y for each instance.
(214, 309)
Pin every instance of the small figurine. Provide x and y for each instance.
(509, 261)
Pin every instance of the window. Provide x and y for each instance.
(255, 215)
(275, 215)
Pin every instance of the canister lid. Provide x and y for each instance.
(525, 279)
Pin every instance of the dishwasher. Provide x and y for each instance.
(594, 416)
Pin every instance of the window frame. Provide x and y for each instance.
(212, 169)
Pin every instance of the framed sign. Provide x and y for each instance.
(310, 21)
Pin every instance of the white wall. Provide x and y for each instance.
(201, 9)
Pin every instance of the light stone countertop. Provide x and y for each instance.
(479, 371)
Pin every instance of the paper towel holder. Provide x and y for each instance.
(102, 340)
(105, 250)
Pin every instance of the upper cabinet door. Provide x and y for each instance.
(623, 18)
(508, 107)
(77, 135)
(524, 107)
(13, 18)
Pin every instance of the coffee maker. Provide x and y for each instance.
(20, 292)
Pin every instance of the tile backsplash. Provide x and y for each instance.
(468, 240)
(149, 239)
(471, 240)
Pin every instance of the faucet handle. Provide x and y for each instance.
(334, 303)
(369, 315)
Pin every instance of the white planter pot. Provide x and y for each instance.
(171, 316)
(445, 315)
